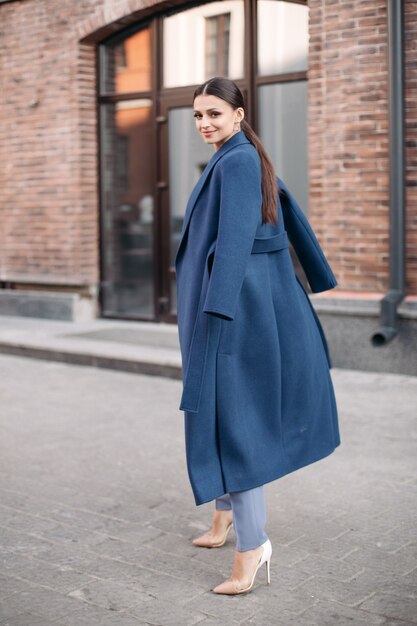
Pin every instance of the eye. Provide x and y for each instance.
(197, 115)
(215, 113)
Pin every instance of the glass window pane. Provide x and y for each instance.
(202, 42)
(282, 37)
(126, 65)
(188, 155)
(283, 131)
(127, 207)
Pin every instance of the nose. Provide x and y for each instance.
(205, 122)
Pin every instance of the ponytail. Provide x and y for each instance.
(270, 187)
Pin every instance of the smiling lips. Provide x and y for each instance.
(208, 132)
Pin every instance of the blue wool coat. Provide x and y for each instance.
(257, 395)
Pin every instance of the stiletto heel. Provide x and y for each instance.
(231, 586)
(268, 573)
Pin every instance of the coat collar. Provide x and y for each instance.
(235, 140)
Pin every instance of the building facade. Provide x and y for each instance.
(99, 150)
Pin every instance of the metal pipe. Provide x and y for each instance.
(388, 315)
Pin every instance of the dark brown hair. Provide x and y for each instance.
(227, 90)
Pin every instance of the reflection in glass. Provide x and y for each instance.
(282, 37)
(127, 207)
(283, 131)
(126, 65)
(188, 155)
(203, 42)
(217, 45)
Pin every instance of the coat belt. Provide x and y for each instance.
(270, 244)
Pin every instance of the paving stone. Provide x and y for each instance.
(339, 570)
(396, 584)
(133, 532)
(155, 560)
(110, 595)
(225, 621)
(406, 532)
(9, 612)
(63, 533)
(26, 619)
(336, 548)
(90, 615)
(156, 611)
(107, 568)
(40, 602)
(180, 525)
(24, 522)
(282, 602)
(61, 578)
(396, 622)
(280, 618)
(13, 564)
(380, 559)
(391, 606)
(400, 589)
(10, 585)
(26, 543)
(325, 613)
(171, 543)
(179, 566)
(64, 555)
(121, 550)
(218, 606)
(171, 588)
(350, 593)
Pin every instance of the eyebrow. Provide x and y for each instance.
(212, 109)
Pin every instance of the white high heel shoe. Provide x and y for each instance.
(231, 586)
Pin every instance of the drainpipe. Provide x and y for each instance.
(388, 314)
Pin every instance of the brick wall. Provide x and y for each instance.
(49, 203)
(48, 146)
(348, 139)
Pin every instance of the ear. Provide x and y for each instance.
(240, 114)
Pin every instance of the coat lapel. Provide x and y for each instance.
(236, 140)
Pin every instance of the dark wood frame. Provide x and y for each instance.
(163, 99)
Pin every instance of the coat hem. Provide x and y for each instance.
(254, 481)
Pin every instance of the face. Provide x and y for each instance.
(215, 119)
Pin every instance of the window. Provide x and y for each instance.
(126, 65)
(217, 45)
(202, 42)
(282, 61)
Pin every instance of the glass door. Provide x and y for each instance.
(127, 157)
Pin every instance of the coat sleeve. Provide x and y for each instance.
(239, 214)
(305, 243)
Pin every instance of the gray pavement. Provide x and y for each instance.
(97, 514)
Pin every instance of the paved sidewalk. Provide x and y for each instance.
(97, 515)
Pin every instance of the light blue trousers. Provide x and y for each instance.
(249, 516)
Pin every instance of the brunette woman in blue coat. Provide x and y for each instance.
(257, 397)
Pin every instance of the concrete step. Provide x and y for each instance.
(140, 347)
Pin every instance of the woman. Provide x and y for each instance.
(257, 393)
